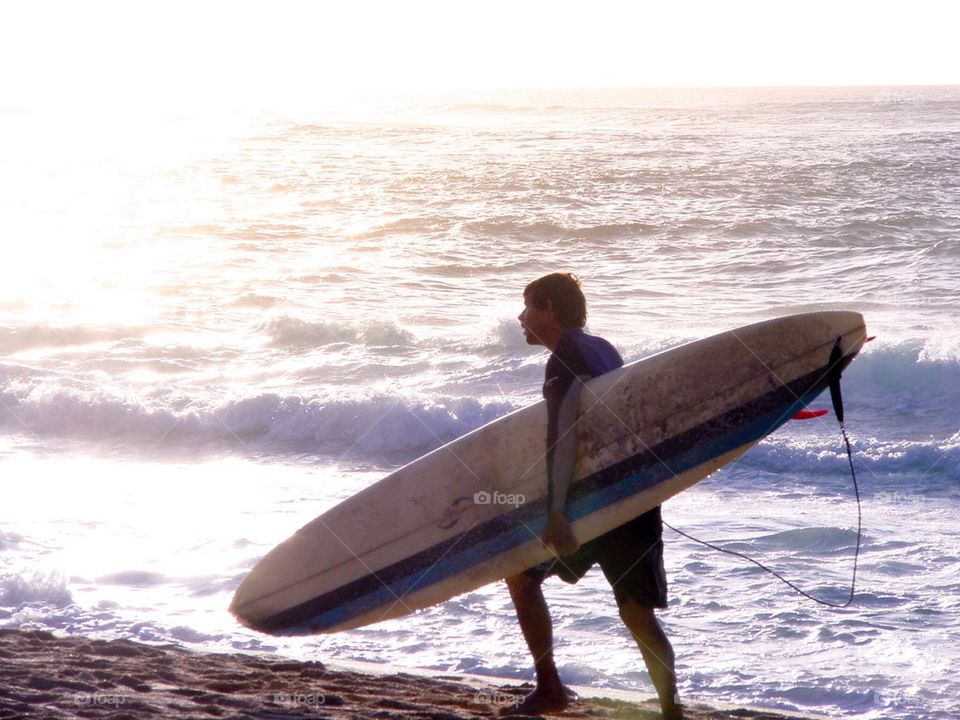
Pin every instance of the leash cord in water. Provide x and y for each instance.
(856, 555)
(835, 359)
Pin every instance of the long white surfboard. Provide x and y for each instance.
(471, 512)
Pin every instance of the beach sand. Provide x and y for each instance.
(47, 676)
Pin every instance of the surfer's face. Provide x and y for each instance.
(538, 325)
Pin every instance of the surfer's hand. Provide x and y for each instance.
(558, 535)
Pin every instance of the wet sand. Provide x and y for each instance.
(48, 676)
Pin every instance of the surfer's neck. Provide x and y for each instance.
(555, 340)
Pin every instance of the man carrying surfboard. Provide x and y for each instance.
(631, 556)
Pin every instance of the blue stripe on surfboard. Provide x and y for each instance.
(693, 448)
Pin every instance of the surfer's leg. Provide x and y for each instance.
(534, 618)
(657, 654)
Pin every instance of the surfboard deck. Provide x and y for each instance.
(471, 512)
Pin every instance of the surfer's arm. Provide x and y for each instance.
(561, 461)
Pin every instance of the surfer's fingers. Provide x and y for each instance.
(559, 535)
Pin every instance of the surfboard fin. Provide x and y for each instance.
(833, 379)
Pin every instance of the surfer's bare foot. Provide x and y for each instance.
(542, 702)
(673, 712)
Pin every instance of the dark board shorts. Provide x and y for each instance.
(631, 557)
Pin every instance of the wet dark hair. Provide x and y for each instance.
(561, 292)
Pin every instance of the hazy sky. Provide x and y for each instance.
(268, 53)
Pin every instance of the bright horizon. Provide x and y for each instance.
(231, 55)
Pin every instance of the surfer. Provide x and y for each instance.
(631, 556)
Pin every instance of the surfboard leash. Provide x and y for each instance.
(836, 397)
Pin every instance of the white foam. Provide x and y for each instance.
(296, 333)
(48, 589)
(375, 424)
(14, 339)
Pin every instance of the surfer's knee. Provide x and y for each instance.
(526, 594)
(640, 619)
(521, 584)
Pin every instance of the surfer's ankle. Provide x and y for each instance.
(672, 711)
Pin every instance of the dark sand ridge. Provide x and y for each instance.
(47, 676)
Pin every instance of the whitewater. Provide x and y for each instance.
(214, 329)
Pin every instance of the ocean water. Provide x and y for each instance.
(213, 329)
